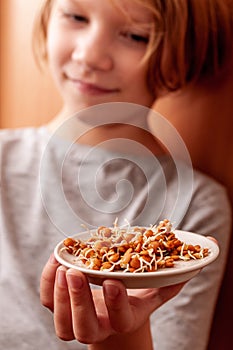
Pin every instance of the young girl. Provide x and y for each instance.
(111, 56)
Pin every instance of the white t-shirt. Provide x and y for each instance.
(49, 188)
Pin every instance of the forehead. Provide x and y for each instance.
(136, 10)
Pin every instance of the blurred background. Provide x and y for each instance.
(27, 95)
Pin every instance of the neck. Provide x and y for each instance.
(124, 135)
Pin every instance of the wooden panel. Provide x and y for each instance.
(28, 96)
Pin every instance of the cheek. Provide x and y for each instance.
(138, 75)
(55, 61)
(54, 49)
(143, 72)
(141, 83)
(57, 44)
(131, 64)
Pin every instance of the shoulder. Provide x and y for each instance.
(207, 190)
(22, 138)
(201, 188)
(209, 212)
(20, 146)
(200, 204)
(21, 134)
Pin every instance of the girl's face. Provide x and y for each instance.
(95, 52)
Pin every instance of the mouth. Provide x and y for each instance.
(90, 88)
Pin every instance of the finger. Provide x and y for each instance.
(85, 322)
(213, 239)
(127, 312)
(47, 282)
(62, 308)
(164, 294)
(151, 299)
(119, 309)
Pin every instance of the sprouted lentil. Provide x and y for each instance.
(132, 249)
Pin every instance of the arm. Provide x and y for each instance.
(115, 319)
(141, 338)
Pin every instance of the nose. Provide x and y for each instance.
(92, 50)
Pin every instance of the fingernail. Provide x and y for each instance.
(111, 291)
(74, 281)
(61, 277)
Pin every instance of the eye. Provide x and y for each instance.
(75, 17)
(140, 38)
(78, 18)
(137, 38)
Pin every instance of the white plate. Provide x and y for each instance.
(181, 272)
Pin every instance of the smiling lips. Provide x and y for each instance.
(91, 89)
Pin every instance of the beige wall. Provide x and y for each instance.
(27, 96)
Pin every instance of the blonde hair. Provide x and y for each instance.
(191, 40)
